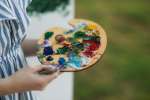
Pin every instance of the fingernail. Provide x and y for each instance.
(53, 67)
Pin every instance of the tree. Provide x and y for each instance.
(41, 6)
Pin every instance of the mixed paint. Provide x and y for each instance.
(76, 50)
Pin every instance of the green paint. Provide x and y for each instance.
(49, 58)
(42, 6)
(62, 50)
(48, 35)
(79, 34)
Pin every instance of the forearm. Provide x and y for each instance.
(27, 79)
(5, 87)
(30, 47)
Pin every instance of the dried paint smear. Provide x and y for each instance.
(78, 46)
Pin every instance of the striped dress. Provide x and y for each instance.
(13, 25)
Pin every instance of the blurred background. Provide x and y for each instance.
(124, 71)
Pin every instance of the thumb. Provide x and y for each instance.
(51, 77)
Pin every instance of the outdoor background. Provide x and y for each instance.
(124, 71)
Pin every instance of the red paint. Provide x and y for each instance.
(92, 45)
(89, 50)
(59, 38)
(88, 53)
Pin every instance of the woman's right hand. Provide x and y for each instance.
(28, 79)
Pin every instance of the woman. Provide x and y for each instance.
(16, 78)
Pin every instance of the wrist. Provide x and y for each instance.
(36, 45)
(30, 47)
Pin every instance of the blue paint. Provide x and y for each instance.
(80, 26)
(49, 58)
(84, 60)
(48, 51)
(74, 61)
(62, 61)
(70, 31)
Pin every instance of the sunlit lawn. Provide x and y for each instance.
(124, 71)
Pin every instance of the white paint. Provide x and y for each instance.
(62, 87)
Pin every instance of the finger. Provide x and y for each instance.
(39, 68)
(53, 76)
(48, 70)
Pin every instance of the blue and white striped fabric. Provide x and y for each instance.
(13, 24)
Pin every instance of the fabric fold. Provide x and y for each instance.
(6, 12)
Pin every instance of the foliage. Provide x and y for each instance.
(123, 73)
(43, 6)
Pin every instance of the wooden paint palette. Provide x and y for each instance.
(74, 49)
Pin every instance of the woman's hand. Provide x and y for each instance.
(27, 79)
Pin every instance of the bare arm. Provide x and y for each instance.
(26, 79)
(4, 86)
(30, 47)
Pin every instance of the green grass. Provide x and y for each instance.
(124, 71)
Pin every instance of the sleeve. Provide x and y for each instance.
(25, 3)
(5, 11)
